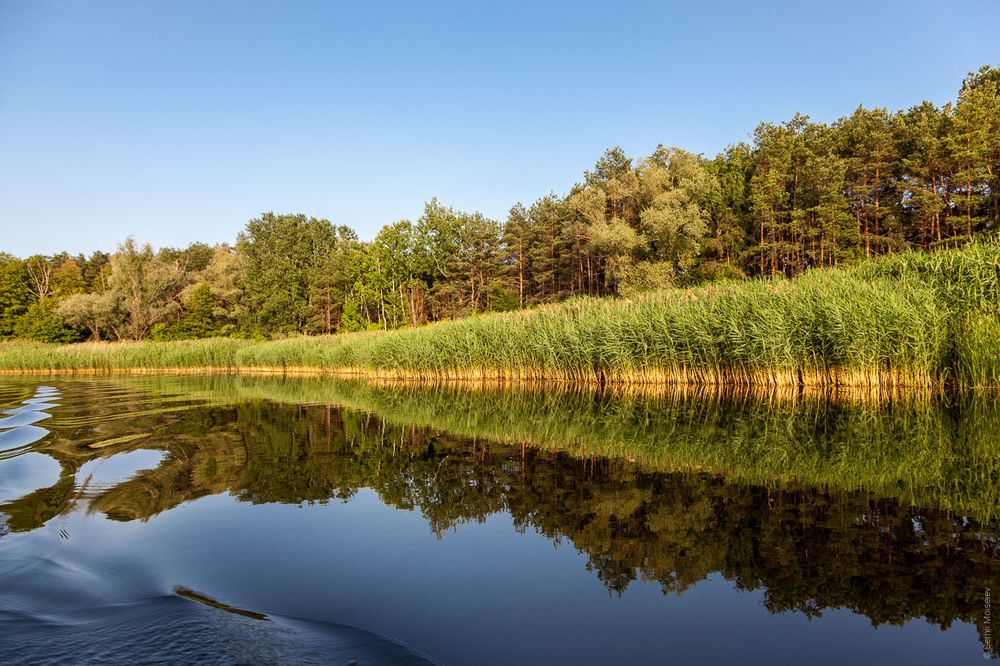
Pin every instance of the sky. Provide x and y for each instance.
(179, 121)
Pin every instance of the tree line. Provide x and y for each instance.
(801, 195)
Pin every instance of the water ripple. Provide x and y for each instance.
(143, 631)
(17, 433)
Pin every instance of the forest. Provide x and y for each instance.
(802, 195)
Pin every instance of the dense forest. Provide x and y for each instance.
(803, 195)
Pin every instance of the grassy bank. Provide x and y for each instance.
(912, 319)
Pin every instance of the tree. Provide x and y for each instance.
(39, 272)
(67, 279)
(769, 192)
(547, 217)
(481, 238)
(924, 165)
(828, 232)
(614, 177)
(582, 216)
(198, 320)
(192, 259)
(145, 288)
(982, 90)
(91, 312)
(975, 145)
(223, 275)
(331, 287)
(870, 151)
(40, 323)
(677, 221)
(798, 181)
(729, 204)
(517, 238)
(96, 271)
(281, 256)
(14, 295)
(457, 255)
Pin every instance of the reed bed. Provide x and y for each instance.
(909, 320)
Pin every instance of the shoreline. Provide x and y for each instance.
(901, 322)
(642, 383)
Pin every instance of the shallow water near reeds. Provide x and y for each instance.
(249, 520)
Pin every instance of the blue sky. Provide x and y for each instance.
(179, 121)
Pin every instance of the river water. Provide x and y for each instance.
(239, 521)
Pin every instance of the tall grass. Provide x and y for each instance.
(913, 319)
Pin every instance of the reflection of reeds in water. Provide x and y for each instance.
(809, 547)
(923, 448)
(913, 320)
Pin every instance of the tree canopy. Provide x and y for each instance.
(801, 195)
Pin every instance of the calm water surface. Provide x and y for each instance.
(233, 520)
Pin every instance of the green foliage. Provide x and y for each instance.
(144, 288)
(90, 312)
(502, 299)
(96, 271)
(223, 276)
(14, 295)
(198, 320)
(977, 349)
(67, 279)
(281, 256)
(713, 271)
(194, 258)
(803, 196)
(350, 320)
(729, 205)
(646, 276)
(458, 260)
(39, 323)
(890, 322)
(161, 333)
(676, 221)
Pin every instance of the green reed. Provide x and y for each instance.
(913, 319)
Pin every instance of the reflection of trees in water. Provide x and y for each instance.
(39, 507)
(939, 450)
(807, 547)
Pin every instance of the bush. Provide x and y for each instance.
(38, 323)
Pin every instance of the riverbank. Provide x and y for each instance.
(908, 320)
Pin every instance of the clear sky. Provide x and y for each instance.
(178, 121)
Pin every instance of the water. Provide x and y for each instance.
(234, 520)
